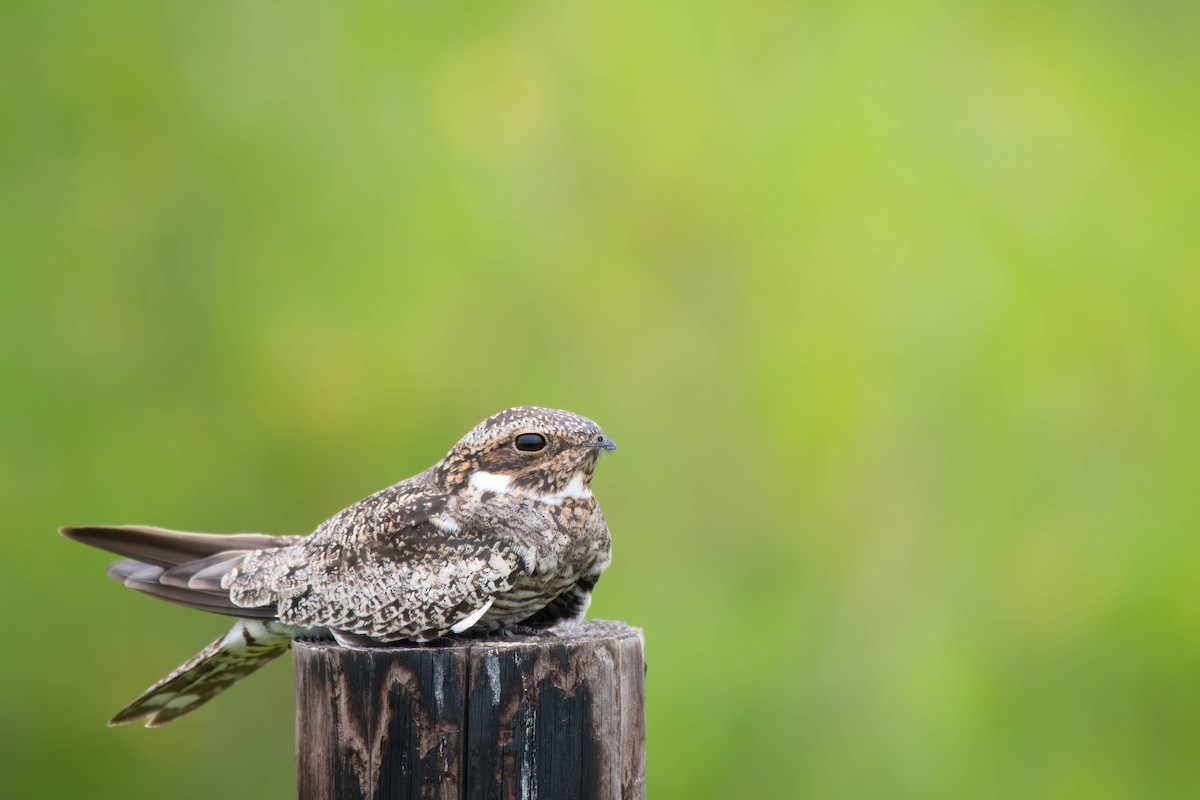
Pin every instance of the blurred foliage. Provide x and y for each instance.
(893, 308)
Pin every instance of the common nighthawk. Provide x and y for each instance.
(502, 532)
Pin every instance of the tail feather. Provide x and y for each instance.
(247, 646)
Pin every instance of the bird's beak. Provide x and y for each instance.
(605, 442)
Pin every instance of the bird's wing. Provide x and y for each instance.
(392, 567)
(183, 568)
(166, 548)
(418, 587)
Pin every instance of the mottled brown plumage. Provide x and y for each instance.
(500, 532)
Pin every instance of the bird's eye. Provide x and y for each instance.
(530, 442)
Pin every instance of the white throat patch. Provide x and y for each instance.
(483, 481)
(574, 490)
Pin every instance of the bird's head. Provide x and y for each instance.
(539, 452)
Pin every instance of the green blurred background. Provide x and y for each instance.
(893, 308)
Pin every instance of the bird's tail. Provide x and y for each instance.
(249, 645)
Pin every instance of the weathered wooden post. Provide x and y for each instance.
(543, 718)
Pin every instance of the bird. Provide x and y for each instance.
(502, 535)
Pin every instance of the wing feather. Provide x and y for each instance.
(147, 579)
(167, 548)
(417, 590)
(388, 568)
(183, 568)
